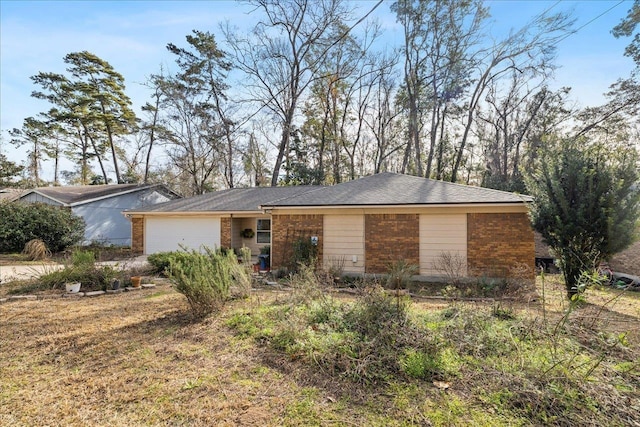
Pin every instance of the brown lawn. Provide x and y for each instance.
(137, 358)
(130, 359)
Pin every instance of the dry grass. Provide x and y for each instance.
(138, 358)
(36, 250)
(130, 359)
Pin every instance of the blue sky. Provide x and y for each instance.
(132, 35)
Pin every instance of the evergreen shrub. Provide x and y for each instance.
(57, 227)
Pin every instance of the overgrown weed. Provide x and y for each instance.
(529, 369)
(208, 278)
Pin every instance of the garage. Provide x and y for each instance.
(169, 234)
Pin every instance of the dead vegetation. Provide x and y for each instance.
(36, 250)
(139, 359)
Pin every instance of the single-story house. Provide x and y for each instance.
(101, 206)
(366, 224)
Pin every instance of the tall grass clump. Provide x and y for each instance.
(400, 273)
(81, 267)
(241, 274)
(206, 278)
(36, 250)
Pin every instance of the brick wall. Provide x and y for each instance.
(286, 229)
(137, 235)
(496, 243)
(225, 232)
(389, 238)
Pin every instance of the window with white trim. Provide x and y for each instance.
(263, 234)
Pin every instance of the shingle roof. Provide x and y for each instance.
(10, 194)
(77, 194)
(387, 188)
(232, 200)
(384, 189)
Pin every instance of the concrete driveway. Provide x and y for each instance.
(23, 272)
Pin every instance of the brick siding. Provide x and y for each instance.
(137, 235)
(225, 232)
(286, 229)
(389, 238)
(497, 244)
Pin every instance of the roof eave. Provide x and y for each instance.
(191, 213)
(403, 205)
(108, 196)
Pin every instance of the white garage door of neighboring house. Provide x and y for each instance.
(344, 242)
(443, 234)
(167, 234)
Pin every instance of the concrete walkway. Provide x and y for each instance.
(24, 272)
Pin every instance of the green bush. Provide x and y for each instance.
(82, 259)
(160, 261)
(58, 228)
(205, 279)
(303, 253)
(376, 312)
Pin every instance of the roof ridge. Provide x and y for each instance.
(311, 188)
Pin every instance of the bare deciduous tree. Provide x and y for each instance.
(281, 55)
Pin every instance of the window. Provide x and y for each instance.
(264, 231)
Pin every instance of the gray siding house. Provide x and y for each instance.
(101, 206)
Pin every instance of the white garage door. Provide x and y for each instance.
(443, 244)
(168, 234)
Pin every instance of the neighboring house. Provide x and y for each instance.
(626, 261)
(366, 224)
(10, 194)
(101, 206)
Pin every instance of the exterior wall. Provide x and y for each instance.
(238, 241)
(498, 243)
(37, 198)
(286, 229)
(442, 233)
(389, 238)
(225, 232)
(237, 225)
(137, 235)
(104, 220)
(493, 241)
(344, 242)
